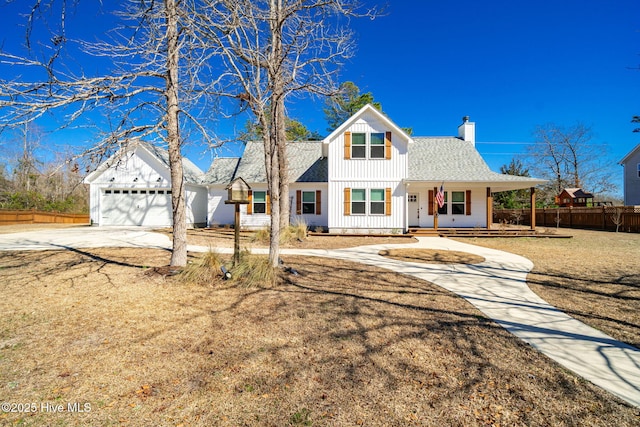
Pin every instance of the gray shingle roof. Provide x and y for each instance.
(222, 170)
(451, 159)
(433, 159)
(305, 164)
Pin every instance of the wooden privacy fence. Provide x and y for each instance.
(596, 218)
(10, 217)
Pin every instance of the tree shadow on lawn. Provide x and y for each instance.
(351, 342)
(344, 343)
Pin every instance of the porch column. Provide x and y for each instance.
(435, 208)
(533, 208)
(489, 208)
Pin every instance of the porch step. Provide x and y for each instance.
(474, 232)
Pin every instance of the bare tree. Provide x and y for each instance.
(275, 49)
(156, 81)
(617, 217)
(567, 157)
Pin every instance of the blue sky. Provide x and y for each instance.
(509, 65)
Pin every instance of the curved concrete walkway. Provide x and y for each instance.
(497, 287)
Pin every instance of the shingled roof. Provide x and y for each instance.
(451, 159)
(306, 164)
(431, 159)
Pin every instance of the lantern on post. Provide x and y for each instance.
(237, 194)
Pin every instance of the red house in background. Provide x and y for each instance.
(573, 197)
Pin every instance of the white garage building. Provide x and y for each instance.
(133, 187)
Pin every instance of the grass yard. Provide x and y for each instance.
(341, 344)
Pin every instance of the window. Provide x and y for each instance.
(457, 202)
(143, 191)
(359, 146)
(107, 191)
(308, 202)
(638, 170)
(413, 198)
(377, 202)
(358, 201)
(259, 202)
(377, 146)
(444, 209)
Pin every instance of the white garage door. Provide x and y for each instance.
(148, 207)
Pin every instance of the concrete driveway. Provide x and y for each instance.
(497, 287)
(83, 237)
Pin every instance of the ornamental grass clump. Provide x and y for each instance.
(254, 271)
(204, 270)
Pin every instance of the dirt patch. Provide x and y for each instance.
(432, 256)
(594, 277)
(340, 344)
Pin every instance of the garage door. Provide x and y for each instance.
(148, 207)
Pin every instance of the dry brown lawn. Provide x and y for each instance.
(594, 276)
(224, 237)
(341, 344)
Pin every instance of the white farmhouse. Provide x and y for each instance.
(367, 176)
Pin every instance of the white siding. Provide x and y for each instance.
(314, 220)
(143, 173)
(219, 213)
(339, 222)
(255, 220)
(367, 174)
(341, 169)
(478, 217)
(196, 202)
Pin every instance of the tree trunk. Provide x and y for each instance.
(179, 252)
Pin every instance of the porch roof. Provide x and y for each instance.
(450, 159)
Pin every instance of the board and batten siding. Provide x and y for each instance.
(339, 222)
(394, 168)
(388, 172)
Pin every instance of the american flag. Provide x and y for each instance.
(440, 196)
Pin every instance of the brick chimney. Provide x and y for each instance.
(467, 130)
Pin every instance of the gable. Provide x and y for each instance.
(369, 119)
(632, 157)
(130, 166)
(143, 161)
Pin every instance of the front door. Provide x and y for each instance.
(414, 210)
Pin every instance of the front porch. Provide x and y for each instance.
(466, 207)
